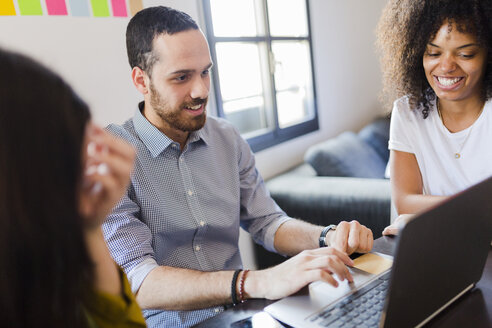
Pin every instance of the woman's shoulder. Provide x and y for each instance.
(402, 102)
(488, 104)
(487, 113)
(106, 310)
(402, 107)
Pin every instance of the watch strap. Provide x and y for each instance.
(322, 236)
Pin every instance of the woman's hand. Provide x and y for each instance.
(108, 162)
(395, 227)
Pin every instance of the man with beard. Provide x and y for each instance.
(176, 230)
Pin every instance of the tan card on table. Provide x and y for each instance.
(372, 263)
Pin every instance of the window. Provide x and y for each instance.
(262, 74)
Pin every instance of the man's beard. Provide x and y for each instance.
(173, 116)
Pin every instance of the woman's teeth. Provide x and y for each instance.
(446, 81)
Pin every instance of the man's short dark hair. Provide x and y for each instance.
(145, 26)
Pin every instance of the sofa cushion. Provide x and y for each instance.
(346, 155)
(376, 134)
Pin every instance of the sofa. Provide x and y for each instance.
(342, 178)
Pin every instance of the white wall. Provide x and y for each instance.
(90, 53)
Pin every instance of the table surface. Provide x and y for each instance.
(474, 309)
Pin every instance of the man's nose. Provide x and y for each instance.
(200, 88)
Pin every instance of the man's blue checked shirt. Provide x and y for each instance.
(184, 208)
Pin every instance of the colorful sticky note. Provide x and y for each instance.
(119, 8)
(135, 6)
(56, 7)
(7, 8)
(100, 8)
(79, 8)
(30, 7)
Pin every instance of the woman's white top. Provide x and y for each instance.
(435, 147)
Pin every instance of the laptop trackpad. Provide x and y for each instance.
(317, 296)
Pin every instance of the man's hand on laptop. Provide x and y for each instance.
(290, 276)
(350, 237)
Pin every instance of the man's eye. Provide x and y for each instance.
(181, 78)
(206, 72)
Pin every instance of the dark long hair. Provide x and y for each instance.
(45, 269)
(405, 28)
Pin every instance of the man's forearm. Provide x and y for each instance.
(294, 236)
(171, 288)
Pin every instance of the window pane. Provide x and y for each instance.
(247, 115)
(292, 105)
(287, 17)
(293, 80)
(233, 18)
(239, 69)
(242, 84)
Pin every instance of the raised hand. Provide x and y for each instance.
(108, 162)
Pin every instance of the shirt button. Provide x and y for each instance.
(181, 159)
(190, 192)
(217, 310)
(173, 145)
(197, 248)
(202, 223)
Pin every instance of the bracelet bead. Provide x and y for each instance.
(241, 286)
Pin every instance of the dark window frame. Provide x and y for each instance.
(277, 134)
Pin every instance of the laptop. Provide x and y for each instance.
(440, 255)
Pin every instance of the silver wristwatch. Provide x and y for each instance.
(322, 237)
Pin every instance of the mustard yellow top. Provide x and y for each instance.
(106, 310)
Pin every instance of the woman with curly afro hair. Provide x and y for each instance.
(437, 64)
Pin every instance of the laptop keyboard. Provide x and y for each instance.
(361, 309)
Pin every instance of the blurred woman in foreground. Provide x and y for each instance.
(59, 177)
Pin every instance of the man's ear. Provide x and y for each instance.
(140, 80)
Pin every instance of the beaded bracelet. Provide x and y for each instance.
(241, 286)
(233, 287)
